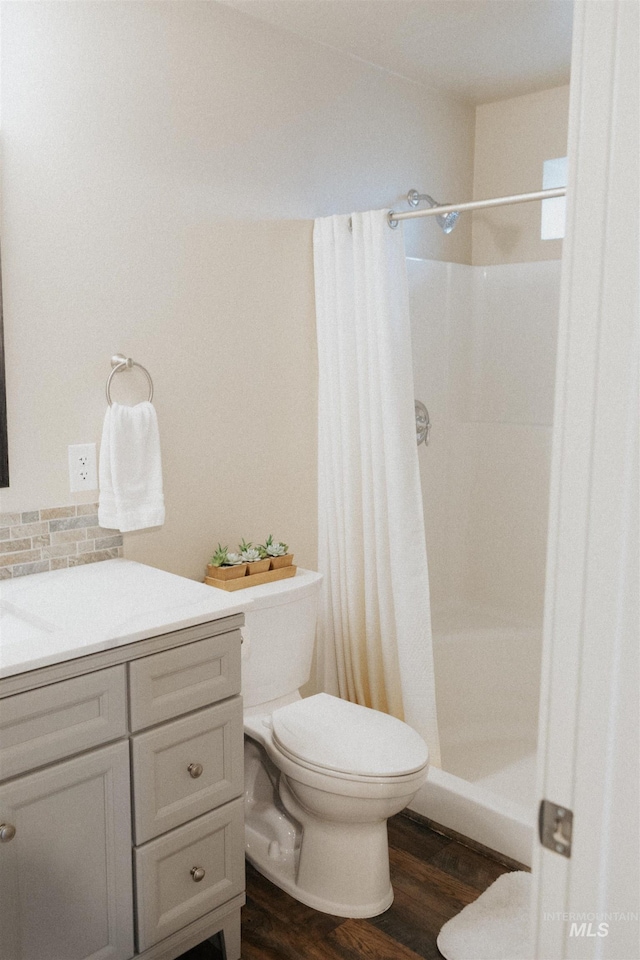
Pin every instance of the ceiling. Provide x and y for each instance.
(479, 50)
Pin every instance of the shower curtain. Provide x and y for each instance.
(374, 621)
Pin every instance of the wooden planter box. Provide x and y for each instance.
(252, 580)
(284, 561)
(226, 573)
(258, 566)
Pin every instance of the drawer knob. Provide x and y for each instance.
(7, 832)
(195, 770)
(197, 873)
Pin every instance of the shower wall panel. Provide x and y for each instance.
(506, 435)
(438, 293)
(484, 345)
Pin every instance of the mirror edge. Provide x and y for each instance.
(4, 435)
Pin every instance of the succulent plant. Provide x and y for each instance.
(224, 558)
(264, 547)
(247, 553)
(272, 548)
(250, 554)
(220, 557)
(277, 549)
(233, 559)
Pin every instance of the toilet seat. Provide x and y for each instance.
(346, 741)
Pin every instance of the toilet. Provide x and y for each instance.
(322, 775)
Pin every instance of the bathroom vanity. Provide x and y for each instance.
(121, 765)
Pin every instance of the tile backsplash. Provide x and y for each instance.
(41, 540)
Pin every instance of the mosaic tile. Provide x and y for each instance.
(93, 557)
(86, 509)
(94, 532)
(105, 543)
(14, 546)
(73, 523)
(53, 538)
(29, 530)
(24, 569)
(58, 550)
(42, 541)
(57, 513)
(24, 556)
(87, 546)
(69, 536)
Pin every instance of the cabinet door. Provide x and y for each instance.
(65, 876)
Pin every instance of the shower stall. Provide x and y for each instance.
(484, 346)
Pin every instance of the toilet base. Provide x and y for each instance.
(281, 869)
(320, 837)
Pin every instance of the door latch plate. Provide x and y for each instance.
(555, 825)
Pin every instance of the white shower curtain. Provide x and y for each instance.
(374, 624)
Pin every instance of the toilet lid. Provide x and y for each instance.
(337, 735)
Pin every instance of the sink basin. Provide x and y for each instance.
(61, 614)
(20, 632)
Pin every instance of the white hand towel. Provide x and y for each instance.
(130, 469)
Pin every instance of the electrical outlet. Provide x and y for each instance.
(83, 471)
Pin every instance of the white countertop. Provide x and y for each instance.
(46, 618)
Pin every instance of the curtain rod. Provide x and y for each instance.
(394, 217)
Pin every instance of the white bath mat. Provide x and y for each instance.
(493, 927)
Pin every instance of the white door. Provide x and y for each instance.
(586, 906)
(65, 876)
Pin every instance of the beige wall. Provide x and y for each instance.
(238, 417)
(162, 164)
(513, 139)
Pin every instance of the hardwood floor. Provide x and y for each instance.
(433, 877)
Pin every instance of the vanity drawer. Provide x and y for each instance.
(177, 681)
(185, 768)
(55, 721)
(168, 894)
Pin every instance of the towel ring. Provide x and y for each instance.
(120, 363)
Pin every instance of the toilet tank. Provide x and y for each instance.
(279, 636)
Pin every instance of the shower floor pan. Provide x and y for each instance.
(487, 671)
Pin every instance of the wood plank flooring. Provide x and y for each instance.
(433, 877)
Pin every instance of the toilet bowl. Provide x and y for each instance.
(322, 775)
